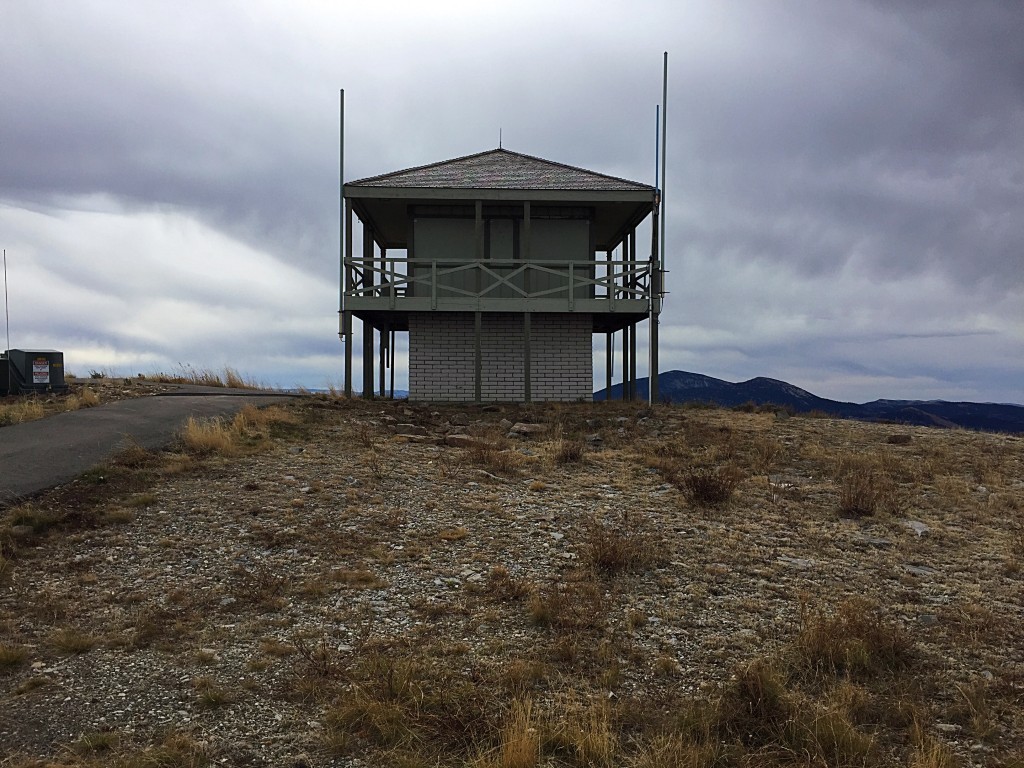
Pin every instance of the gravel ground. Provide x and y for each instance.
(198, 608)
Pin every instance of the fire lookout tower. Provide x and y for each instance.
(504, 267)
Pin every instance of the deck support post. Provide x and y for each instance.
(527, 374)
(632, 361)
(609, 357)
(368, 282)
(346, 330)
(477, 358)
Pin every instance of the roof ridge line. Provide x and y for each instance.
(379, 178)
(425, 166)
(572, 167)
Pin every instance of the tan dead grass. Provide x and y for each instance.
(522, 670)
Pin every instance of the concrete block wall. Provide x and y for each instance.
(442, 357)
(503, 376)
(561, 360)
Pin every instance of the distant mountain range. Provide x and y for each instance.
(682, 387)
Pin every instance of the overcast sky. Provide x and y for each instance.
(845, 192)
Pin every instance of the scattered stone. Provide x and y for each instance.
(525, 429)
(797, 562)
(873, 541)
(410, 429)
(419, 439)
(594, 439)
(461, 441)
(919, 570)
(459, 419)
(927, 619)
(917, 527)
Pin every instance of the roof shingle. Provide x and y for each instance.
(501, 169)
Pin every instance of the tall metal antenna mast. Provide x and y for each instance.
(7, 316)
(341, 214)
(657, 143)
(658, 258)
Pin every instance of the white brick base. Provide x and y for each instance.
(442, 357)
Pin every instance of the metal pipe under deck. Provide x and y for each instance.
(656, 275)
(368, 282)
(347, 313)
(344, 318)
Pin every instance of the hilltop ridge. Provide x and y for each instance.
(685, 386)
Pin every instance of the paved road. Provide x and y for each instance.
(42, 454)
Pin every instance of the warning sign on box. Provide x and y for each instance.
(40, 371)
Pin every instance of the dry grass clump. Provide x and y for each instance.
(176, 750)
(760, 715)
(818, 701)
(208, 436)
(865, 487)
(503, 587)
(576, 603)
(86, 398)
(624, 543)
(853, 641)
(73, 640)
(20, 412)
(6, 567)
(520, 744)
(496, 458)
(96, 742)
(566, 451)
(247, 431)
(210, 694)
(206, 377)
(11, 655)
(402, 702)
(703, 485)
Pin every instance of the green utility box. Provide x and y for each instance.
(32, 370)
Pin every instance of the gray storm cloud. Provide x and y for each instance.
(844, 189)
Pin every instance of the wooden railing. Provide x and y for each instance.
(392, 282)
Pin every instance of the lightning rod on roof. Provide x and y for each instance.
(499, 138)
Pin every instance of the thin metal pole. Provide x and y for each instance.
(341, 214)
(346, 324)
(632, 361)
(625, 363)
(385, 337)
(657, 145)
(391, 355)
(609, 357)
(664, 154)
(656, 278)
(7, 316)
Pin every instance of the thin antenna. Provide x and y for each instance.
(657, 142)
(499, 138)
(7, 315)
(341, 214)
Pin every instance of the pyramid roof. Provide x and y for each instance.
(501, 169)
